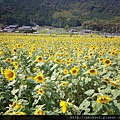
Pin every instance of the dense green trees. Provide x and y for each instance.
(102, 25)
(100, 15)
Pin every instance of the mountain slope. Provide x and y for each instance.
(59, 13)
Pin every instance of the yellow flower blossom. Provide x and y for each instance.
(39, 58)
(39, 112)
(64, 84)
(92, 71)
(15, 65)
(63, 106)
(103, 99)
(40, 91)
(10, 74)
(39, 78)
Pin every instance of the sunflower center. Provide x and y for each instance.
(41, 91)
(39, 58)
(39, 78)
(74, 71)
(15, 50)
(106, 79)
(92, 71)
(10, 74)
(8, 60)
(16, 64)
(107, 61)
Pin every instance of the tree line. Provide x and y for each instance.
(96, 15)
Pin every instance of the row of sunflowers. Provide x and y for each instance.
(55, 75)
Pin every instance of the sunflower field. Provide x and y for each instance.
(59, 75)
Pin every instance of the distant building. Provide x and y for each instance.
(25, 29)
(36, 27)
(15, 28)
(74, 30)
(85, 31)
(10, 28)
(7, 30)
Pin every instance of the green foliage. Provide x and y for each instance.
(62, 13)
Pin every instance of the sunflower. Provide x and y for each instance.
(91, 54)
(65, 71)
(50, 54)
(93, 47)
(39, 112)
(50, 58)
(113, 53)
(1, 52)
(74, 71)
(100, 54)
(39, 78)
(86, 57)
(10, 74)
(7, 60)
(45, 50)
(18, 45)
(35, 69)
(39, 58)
(40, 91)
(84, 66)
(109, 52)
(1, 70)
(72, 59)
(114, 84)
(15, 65)
(17, 105)
(111, 112)
(63, 106)
(106, 79)
(92, 71)
(103, 99)
(107, 62)
(21, 113)
(58, 60)
(64, 84)
(30, 54)
(100, 59)
(33, 49)
(67, 62)
(14, 50)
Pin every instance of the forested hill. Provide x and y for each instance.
(61, 13)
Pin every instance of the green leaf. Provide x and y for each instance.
(115, 93)
(96, 106)
(70, 85)
(75, 108)
(107, 75)
(40, 64)
(12, 83)
(84, 104)
(62, 94)
(36, 100)
(107, 90)
(54, 76)
(55, 65)
(87, 80)
(37, 87)
(48, 93)
(89, 92)
(118, 105)
(14, 91)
